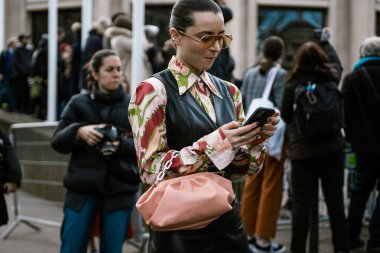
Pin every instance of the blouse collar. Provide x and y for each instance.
(186, 79)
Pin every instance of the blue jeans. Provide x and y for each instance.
(7, 91)
(77, 227)
(367, 177)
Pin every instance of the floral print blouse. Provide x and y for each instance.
(147, 117)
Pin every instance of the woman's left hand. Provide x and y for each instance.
(269, 128)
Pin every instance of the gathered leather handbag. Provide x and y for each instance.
(187, 202)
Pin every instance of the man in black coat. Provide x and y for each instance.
(22, 66)
(6, 73)
(10, 174)
(361, 89)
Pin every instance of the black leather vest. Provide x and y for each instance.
(186, 120)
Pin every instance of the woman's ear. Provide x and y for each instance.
(94, 75)
(174, 34)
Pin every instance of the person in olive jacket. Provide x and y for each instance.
(10, 174)
(102, 174)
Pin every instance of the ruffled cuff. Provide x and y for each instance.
(218, 149)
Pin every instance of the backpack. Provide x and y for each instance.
(318, 109)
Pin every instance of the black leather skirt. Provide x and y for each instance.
(224, 235)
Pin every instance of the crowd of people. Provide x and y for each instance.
(186, 117)
(24, 66)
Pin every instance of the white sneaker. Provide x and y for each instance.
(273, 247)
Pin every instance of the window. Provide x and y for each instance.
(294, 26)
(66, 17)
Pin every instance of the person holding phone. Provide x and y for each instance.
(314, 157)
(192, 118)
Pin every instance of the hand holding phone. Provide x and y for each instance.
(260, 115)
(322, 34)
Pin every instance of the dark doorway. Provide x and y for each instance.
(66, 18)
(159, 15)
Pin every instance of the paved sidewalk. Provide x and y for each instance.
(26, 240)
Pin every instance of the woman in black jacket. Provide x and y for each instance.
(316, 157)
(102, 174)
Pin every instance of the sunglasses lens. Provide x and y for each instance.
(208, 41)
(226, 41)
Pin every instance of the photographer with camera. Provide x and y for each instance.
(102, 175)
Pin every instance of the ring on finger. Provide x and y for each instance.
(242, 138)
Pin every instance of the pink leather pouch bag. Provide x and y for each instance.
(188, 202)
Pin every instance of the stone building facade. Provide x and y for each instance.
(350, 21)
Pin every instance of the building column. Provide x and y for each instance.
(108, 8)
(101, 8)
(339, 22)
(15, 24)
(243, 28)
(362, 25)
(252, 16)
(2, 24)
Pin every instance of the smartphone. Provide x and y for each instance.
(260, 115)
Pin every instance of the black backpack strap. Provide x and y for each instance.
(366, 74)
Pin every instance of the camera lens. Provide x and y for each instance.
(107, 149)
(110, 134)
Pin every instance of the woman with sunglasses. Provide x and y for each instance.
(192, 119)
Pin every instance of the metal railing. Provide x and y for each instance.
(42, 170)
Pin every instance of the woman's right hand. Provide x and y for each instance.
(89, 134)
(9, 187)
(238, 135)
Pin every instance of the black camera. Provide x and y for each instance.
(110, 134)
